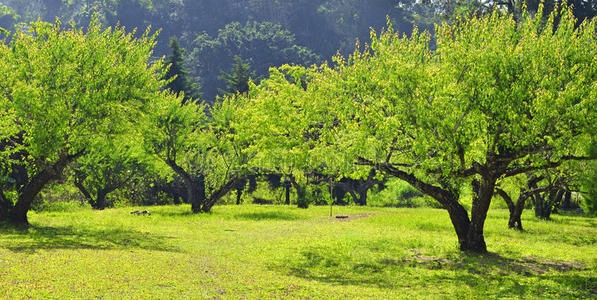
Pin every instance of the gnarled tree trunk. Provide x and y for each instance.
(515, 209)
(221, 192)
(26, 194)
(195, 188)
(449, 200)
(287, 192)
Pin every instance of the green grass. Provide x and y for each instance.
(284, 252)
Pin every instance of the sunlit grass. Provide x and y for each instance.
(279, 252)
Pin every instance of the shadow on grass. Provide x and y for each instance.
(176, 213)
(577, 220)
(35, 238)
(484, 273)
(281, 216)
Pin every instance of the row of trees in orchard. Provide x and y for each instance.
(497, 99)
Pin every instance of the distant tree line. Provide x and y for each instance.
(262, 33)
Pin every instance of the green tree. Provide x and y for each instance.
(177, 73)
(62, 90)
(237, 81)
(263, 45)
(495, 99)
(282, 135)
(108, 168)
(8, 18)
(201, 150)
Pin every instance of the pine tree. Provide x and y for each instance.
(237, 81)
(181, 82)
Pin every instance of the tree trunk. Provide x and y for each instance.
(18, 214)
(538, 202)
(100, 200)
(27, 193)
(515, 209)
(364, 186)
(354, 195)
(363, 197)
(449, 200)
(461, 223)
(219, 193)
(195, 190)
(515, 220)
(301, 199)
(192, 192)
(85, 192)
(558, 200)
(301, 194)
(566, 203)
(239, 193)
(511, 207)
(543, 206)
(287, 193)
(482, 193)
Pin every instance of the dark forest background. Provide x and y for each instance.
(221, 35)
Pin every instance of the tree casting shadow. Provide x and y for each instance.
(68, 237)
(476, 271)
(281, 216)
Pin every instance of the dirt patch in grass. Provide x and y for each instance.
(352, 217)
(539, 266)
(488, 263)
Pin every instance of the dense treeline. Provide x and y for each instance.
(262, 33)
(485, 105)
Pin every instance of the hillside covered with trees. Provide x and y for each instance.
(261, 33)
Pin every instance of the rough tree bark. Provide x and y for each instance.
(544, 203)
(483, 191)
(239, 193)
(195, 188)
(358, 189)
(515, 209)
(544, 206)
(220, 192)
(100, 196)
(17, 214)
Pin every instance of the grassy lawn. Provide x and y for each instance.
(284, 252)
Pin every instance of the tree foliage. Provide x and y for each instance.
(108, 167)
(237, 81)
(177, 74)
(263, 45)
(520, 97)
(201, 150)
(63, 90)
